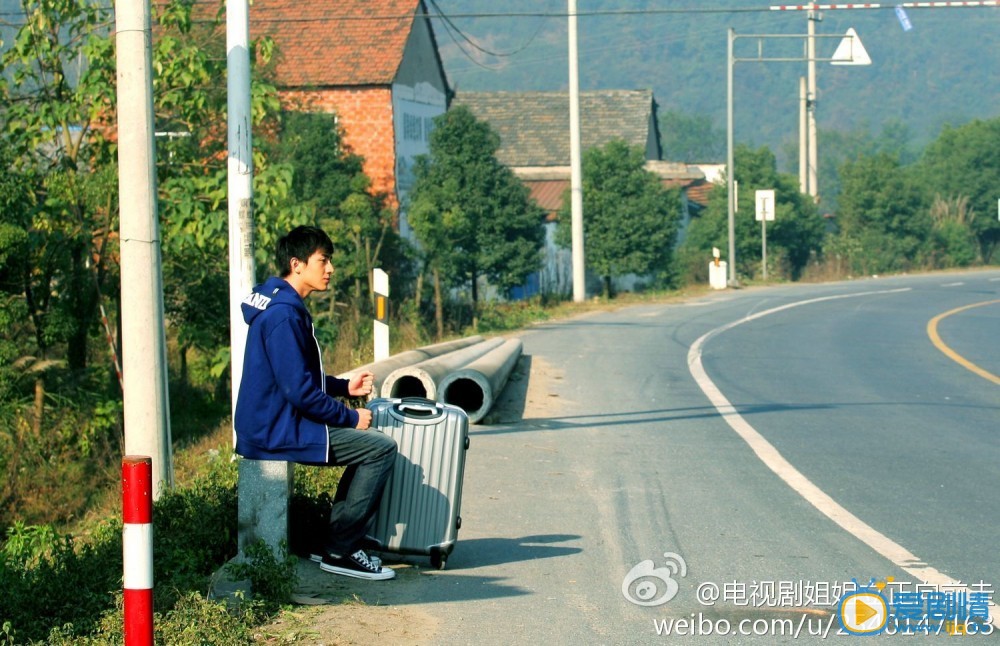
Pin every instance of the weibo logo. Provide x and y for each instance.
(648, 585)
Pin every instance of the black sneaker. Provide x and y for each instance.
(357, 565)
(317, 557)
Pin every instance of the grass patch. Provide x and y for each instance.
(60, 590)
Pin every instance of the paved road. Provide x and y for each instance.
(779, 441)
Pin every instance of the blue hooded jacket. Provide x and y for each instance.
(286, 401)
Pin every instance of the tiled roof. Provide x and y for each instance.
(548, 194)
(534, 126)
(548, 186)
(699, 191)
(324, 44)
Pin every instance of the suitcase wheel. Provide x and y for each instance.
(438, 559)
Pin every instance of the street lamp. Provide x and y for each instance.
(850, 51)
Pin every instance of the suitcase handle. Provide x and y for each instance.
(418, 409)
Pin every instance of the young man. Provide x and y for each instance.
(286, 409)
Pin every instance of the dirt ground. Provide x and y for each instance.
(337, 610)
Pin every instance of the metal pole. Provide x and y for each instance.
(240, 183)
(803, 137)
(730, 192)
(576, 170)
(144, 346)
(763, 248)
(812, 97)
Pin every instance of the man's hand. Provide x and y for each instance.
(360, 384)
(364, 419)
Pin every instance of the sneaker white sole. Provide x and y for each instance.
(383, 575)
(318, 558)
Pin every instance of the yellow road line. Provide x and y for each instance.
(951, 354)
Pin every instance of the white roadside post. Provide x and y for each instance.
(765, 213)
(380, 282)
(717, 270)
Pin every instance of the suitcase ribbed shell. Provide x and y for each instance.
(420, 507)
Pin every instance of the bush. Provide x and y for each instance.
(59, 433)
(501, 317)
(271, 580)
(195, 532)
(67, 590)
(52, 580)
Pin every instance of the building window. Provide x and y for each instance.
(412, 128)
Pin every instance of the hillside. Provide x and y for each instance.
(943, 71)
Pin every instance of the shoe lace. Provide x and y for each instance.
(363, 558)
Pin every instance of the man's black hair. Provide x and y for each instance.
(301, 242)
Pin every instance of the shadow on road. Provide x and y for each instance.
(645, 417)
(481, 552)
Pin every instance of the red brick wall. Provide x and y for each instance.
(365, 117)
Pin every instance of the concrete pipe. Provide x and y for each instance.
(384, 368)
(421, 379)
(475, 387)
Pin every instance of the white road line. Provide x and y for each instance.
(819, 499)
(952, 284)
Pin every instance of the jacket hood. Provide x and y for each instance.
(274, 291)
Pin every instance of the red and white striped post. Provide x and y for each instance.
(137, 548)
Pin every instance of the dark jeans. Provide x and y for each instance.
(369, 457)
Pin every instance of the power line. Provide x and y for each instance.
(451, 28)
(513, 14)
(452, 25)
(464, 52)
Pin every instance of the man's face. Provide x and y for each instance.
(312, 275)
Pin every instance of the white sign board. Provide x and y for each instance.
(765, 205)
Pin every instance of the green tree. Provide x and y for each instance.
(630, 219)
(795, 235)
(837, 147)
(882, 222)
(471, 215)
(54, 117)
(953, 241)
(964, 163)
(58, 243)
(189, 93)
(330, 184)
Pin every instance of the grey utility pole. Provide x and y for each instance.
(144, 347)
(576, 170)
(240, 184)
(264, 485)
(813, 144)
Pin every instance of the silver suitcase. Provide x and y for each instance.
(419, 513)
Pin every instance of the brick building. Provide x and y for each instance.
(373, 63)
